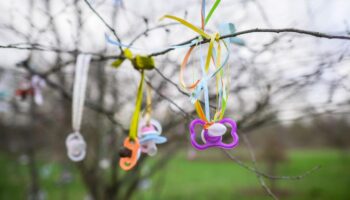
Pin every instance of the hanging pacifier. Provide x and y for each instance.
(213, 129)
(38, 84)
(129, 154)
(76, 147)
(150, 135)
(75, 143)
(212, 134)
(24, 90)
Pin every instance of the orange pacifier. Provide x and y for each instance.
(129, 161)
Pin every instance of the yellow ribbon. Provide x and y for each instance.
(213, 38)
(199, 111)
(189, 25)
(135, 118)
(148, 109)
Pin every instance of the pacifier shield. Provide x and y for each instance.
(154, 138)
(153, 128)
(76, 147)
(215, 139)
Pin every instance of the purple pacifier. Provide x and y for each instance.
(212, 136)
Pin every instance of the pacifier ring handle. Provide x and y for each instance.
(125, 152)
(213, 141)
(127, 163)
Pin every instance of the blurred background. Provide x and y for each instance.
(289, 93)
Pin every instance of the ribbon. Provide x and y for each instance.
(136, 115)
(149, 130)
(148, 109)
(79, 90)
(139, 62)
(212, 54)
(213, 8)
(131, 143)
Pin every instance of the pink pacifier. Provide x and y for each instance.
(149, 136)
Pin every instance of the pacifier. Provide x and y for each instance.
(149, 136)
(38, 84)
(24, 90)
(212, 134)
(130, 154)
(76, 146)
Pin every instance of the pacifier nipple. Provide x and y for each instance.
(217, 129)
(152, 149)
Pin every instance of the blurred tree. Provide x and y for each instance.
(50, 34)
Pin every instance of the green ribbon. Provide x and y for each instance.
(139, 62)
(136, 115)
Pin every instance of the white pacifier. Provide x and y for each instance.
(76, 147)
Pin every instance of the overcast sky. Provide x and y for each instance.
(316, 15)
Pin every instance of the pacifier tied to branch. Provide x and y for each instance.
(213, 129)
(143, 134)
(75, 143)
(150, 130)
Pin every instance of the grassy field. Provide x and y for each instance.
(204, 179)
(226, 180)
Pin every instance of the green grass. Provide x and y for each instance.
(14, 181)
(207, 178)
(184, 179)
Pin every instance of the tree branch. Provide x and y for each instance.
(105, 23)
(259, 30)
(247, 167)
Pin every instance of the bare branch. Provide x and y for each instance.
(258, 30)
(298, 177)
(261, 180)
(105, 23)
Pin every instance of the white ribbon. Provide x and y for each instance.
(75, 142)
(81, 75)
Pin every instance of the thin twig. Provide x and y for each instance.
(187, 115)
(261, 180)
(298, 177)
(105, 23)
